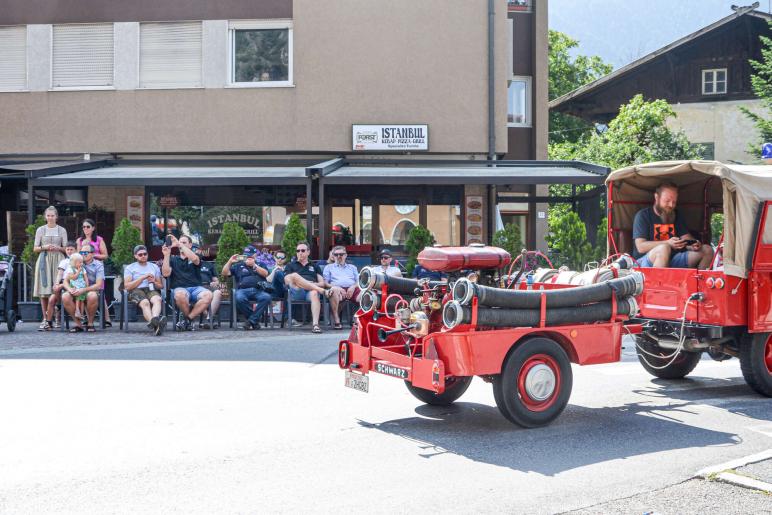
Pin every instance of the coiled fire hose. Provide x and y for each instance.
(464, 290)
(371, 300)
(454, 314)
(370, 279)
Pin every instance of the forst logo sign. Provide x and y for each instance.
(390, 137)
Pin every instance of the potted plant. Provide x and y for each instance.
(418, 239)
(125, 238)
(232, 241)
(293, 234)
(31, 311)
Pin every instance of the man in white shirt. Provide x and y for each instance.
(143, 282)
(386, 266)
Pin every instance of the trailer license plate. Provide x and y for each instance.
(357, 381)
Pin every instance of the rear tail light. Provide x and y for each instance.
(344, 354)
(719, 282)
(710, 282)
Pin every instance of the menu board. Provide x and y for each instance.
(135, 212)
(474, 219)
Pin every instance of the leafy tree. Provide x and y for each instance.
(126, 237)
(761, 84)
(508, 239)
(232, 241)
(294, 233)
(566, 73)
(28, 254)
(570, 242)
(418, 239)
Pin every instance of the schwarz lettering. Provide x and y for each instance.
(391, 370)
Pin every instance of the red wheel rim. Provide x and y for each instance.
(768, 354)
(534, 365)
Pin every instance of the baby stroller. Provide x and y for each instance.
(7, 314)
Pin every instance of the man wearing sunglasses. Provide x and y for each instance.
(306, 283)
(143, 282)
(95, 271)
(342, 279)
(386, 266)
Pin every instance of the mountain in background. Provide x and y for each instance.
(621, 31)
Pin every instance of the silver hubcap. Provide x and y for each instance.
(540, 382)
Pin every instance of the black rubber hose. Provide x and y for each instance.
(455, 314)
(464, 290)
(374, 279)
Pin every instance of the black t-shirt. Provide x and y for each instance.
(208, 272)
(184, 273)
(649, 226)
(246, 277)
(308, 271)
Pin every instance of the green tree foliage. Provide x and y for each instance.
(418, 239)
(259, 52)
(569, 244)
(566, 73)
(761, 83)
(232, 241)
(125, 238)
(294, 233)
(28, 254)
(508, 239)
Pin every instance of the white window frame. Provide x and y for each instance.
(714, 82)
(139, 57)
(260, 25)
(76, 88)
(528, 101)
(26, 62)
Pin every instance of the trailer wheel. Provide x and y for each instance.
(10, 319)
(756, 362)
(454, 388)
(535, 383)
(683, 364)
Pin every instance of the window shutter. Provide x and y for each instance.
(83, 55)
(170, 55)
(13, 58)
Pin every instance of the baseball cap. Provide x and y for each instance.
(385, 252)
(137, 248)
(249, 250)
(766, 151)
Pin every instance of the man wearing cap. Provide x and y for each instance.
(142, 280)
(251, 286)
(386, 267)
(191, 298)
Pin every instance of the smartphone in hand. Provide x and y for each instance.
(168, 241)
(689, 242)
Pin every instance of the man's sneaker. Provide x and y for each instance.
(153, 323)
(216, 324)
(182, 325)
(190, 325)
(249, 326)
(205, 325)
(295, 323)
(161, 326)
(44, 326)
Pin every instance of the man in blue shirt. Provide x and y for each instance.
(342, 279)
(251, 286)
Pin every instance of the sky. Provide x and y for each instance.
(620, 31)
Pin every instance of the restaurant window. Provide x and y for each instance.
(260, 53)
(714, 81)
(444, 222)
(519, 102)
(83, 56)
(13, 58)
(396, 220)
(170, 55)
(66, 201)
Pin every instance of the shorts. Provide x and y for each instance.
(192, 291)
(354, 296)
(139, 294)
(299, 295)
(679, 260)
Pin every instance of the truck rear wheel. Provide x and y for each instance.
(662, 367)
(454, 388)
(535, 383)
(756, 362)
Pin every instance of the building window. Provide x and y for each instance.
(170, 55)
(519, 6)
(519, 102)
(714, 81)
(260, 53)
(13, 58)
(83, 56)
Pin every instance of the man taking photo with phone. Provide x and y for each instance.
(662, 238)
(191, 298)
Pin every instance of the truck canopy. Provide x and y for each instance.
(705, 187)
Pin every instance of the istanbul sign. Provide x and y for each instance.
(390, 137)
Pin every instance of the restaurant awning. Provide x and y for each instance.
(178, 176)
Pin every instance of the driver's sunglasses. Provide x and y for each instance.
(339, 254)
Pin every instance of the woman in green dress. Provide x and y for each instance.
(50, 240)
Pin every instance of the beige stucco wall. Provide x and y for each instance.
(355, 61)
(721, 123)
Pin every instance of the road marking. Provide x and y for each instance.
(744, 481)
(766, 429)
(730, 465)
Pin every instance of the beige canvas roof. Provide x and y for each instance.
(738, 188)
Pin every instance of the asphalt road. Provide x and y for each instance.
(244, 425)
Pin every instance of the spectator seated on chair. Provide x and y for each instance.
(420, 272)
(385, 265)
(95, 273)
(190, 297)
(341, 277)
(306, 283)
(210, 281)
(58, 288)
(142, 281)
(251, 286)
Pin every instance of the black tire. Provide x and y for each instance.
(681, 366)
(454, 388)
(513, 398)
(10, 319)
(756, 362)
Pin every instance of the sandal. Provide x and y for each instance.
(90, 329)
(108, 324)
(76, 329)
(316, 329)
(338, 326)
(328, 293)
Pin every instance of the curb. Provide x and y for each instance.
(724, 472)
(744, 481)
